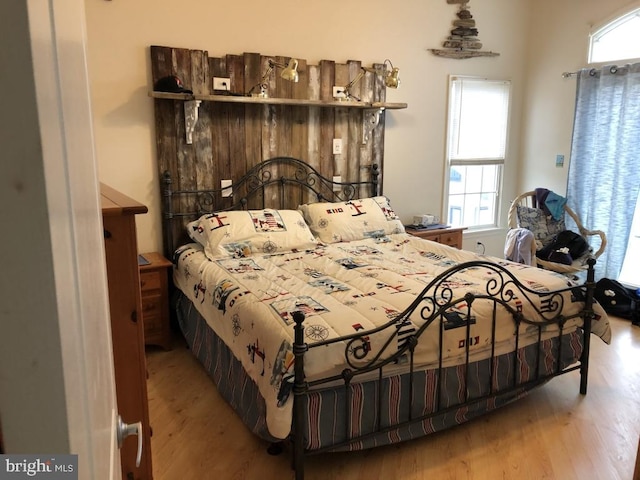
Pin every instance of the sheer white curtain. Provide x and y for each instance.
(604, 174)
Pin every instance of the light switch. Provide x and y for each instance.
(337, 146)
(227, 191)
(336, 180)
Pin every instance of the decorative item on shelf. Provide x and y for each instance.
(248, 69)
(171, 84)
(463, 41)
(289, 72)
(371, 117)
(391, 80)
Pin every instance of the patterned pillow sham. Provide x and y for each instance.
(244, 233)
(352, 220)
(544, 227)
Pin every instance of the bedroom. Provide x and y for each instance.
(525, 34)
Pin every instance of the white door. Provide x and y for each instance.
(56, 361)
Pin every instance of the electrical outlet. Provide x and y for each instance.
(338, 92)
(336, 180)
(221, 83)
(227, 191)
(337, 146)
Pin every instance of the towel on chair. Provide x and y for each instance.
(520, 246)
(552, 203)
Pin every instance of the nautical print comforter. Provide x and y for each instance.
(342, 288)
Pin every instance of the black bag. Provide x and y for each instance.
(617, 299)
(573, 242)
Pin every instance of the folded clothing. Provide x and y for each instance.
(564, 248)
(561, 256)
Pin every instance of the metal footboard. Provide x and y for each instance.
(430, 308)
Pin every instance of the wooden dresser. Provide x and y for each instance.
(118, 216)
(446, 236)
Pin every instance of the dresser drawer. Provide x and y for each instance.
(153, 325)
(151, 305)
(433, 238)
(446, 236)
(150, 281)
(452, 239)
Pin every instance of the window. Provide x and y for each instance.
(476, 149)
(616, 40)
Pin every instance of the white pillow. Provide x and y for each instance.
(246, 232)
(352, 220)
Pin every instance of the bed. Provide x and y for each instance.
(325, 325)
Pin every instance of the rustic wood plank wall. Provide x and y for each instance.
(229, 138)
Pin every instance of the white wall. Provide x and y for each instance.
(120, 33)
(558, 43)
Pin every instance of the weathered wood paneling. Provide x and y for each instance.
(229, 138)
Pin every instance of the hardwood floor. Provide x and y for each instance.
(554, 433)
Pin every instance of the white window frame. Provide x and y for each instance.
(611, 24)
(499, 161)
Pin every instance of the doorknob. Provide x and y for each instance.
(123, 430)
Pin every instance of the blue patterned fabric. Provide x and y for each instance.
(326, 423)
(604, 173)
(543, 226)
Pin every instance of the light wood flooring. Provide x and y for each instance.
(554, 433)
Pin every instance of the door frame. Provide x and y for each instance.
(56, 361)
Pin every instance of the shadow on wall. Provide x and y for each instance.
(137, 110)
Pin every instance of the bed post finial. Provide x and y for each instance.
(375, 174)
(299, 389)
(587, 315)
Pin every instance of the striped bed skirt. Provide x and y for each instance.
(391, 410)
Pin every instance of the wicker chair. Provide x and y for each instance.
(528, 199)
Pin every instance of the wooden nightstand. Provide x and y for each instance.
(154, 283)
(446, 236)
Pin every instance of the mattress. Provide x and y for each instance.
(350, 287)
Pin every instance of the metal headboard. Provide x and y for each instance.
(279, 182)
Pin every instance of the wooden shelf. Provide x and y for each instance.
(370, 110)
(278, 101)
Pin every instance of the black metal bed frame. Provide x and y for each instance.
(429, 310)
(426, 311)
(264, 185)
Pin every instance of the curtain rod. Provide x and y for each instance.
(612, 69)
